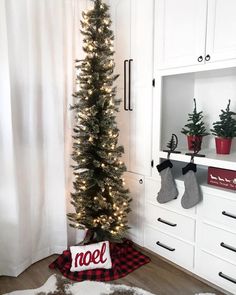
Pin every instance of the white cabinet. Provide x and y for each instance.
(221, 30)
(186, 30)
(194, 32)
(191, 37)
(171, 222)
(224, 213)
(135, 183)
(222, 242)
(201, 240)
(169, 247)
(217, 271)
(216, 240)
(133, 45)
(180, 32)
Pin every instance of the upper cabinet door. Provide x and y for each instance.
(133, 30)
(180, 32)
(221, 30)
(120, 11)
(121, 24)
(141, 75)
(142, 42)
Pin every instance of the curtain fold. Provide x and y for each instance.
(37, 49)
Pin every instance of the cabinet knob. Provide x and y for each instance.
(200, 58)
(207, 57)
(141, 181)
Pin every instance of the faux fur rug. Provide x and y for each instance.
(57, 285)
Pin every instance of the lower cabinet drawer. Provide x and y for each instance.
(218, 242)
(170, 222)
(217, 271)
(221, 211)
(173, 249)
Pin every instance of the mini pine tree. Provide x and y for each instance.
(101, 202)
(196, 125)
(226, 127)
(172, 144)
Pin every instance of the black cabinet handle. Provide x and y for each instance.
(200, 58)
(164, 246)
(141, 181)
(207, 57)
(130, 60)
(228, 214)
(228, 247)
(227, 277)
(166, 222)
(125, 91)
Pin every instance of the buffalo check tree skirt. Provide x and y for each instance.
(125, 259)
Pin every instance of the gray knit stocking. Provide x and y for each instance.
(192, 195)
(168, 191)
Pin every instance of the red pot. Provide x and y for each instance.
(193, 138)
(223, 145)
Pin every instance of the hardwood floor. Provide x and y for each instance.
(158, 277)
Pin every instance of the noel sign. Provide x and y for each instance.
(90, 256)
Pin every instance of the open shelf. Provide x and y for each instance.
(212, 90)
(211, 159)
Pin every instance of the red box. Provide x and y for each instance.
(222, 177)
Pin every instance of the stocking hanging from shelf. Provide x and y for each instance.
(168, 191)
(192, 194)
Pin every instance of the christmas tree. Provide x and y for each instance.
(226, 127)
(195, 125)
(100, 200)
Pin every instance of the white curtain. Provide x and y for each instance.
(38, 40)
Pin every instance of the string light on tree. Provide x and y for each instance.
(101, 202)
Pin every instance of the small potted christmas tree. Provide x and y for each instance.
(195, 128)
(224, 130)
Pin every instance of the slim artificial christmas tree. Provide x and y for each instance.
(101, 202)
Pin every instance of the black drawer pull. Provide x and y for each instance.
(130, 60)
(208, 57)
(228, 247)
(200, 58)
(125, 91)
(164, 246)
(166, 222)
(229, 215)
(227, 277)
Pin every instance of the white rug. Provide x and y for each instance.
(57, 285)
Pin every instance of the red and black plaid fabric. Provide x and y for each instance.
(125, 259)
